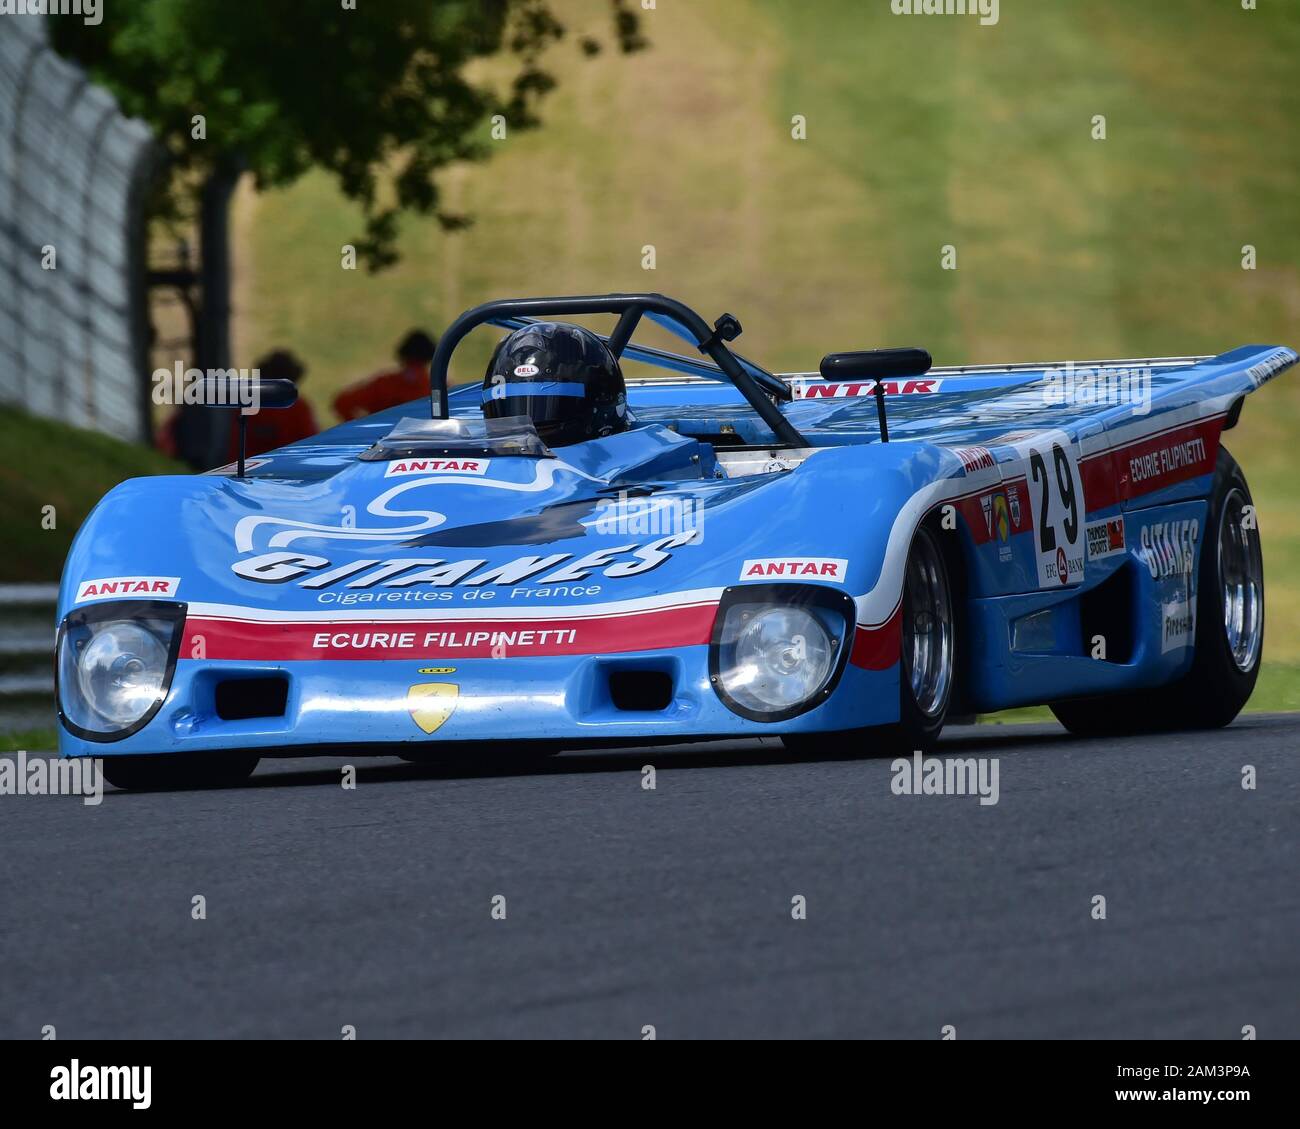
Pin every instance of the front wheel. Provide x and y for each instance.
(927, 666)
(171, 771)
(1229, 635)
(929, 650)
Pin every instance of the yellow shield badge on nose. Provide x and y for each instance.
(431, 703)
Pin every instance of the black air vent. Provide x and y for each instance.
(1107, 611)
(640, 691)
(238, 699)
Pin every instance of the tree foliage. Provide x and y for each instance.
(376, 93)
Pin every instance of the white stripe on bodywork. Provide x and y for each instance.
(1128, 434)
(543, 479)
(658, 602)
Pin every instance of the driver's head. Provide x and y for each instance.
(563, 377)
(417, 347)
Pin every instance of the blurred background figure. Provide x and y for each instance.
(388, 389)
(269, 429)
(266, 430)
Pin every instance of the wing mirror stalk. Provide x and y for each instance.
(878, 365)
(274, 394)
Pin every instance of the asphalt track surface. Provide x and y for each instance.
(672, 907)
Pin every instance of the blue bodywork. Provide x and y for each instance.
(356, 583)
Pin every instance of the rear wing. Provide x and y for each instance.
(971, 378)
(1267, 362)
(971, 403)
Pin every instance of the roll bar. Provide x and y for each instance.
(629, 308)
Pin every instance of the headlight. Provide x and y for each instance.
(115, 664)
(778, 649)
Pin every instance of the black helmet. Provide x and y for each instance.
(563, 377)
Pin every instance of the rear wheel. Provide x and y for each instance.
(168, 771)
(928, 660)
(1229, 631)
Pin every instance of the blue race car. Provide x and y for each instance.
(556, 558)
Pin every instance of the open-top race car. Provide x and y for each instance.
(552, 558)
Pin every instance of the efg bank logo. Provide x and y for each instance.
(75, 1082)
(91, 11)
(987, 10)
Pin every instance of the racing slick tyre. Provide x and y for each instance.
(927, 671)
(168, 771)
(1229, 631)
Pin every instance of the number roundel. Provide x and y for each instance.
(1056, 498)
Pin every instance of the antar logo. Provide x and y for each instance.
(974, 458)
(405, 467)
(795, 568)
(118, 587)
(819, 390)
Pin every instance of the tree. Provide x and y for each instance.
(374, 93)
